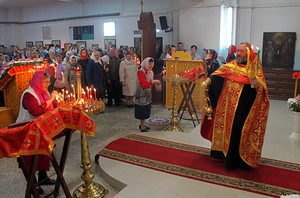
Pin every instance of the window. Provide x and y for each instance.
(109, 29)
(83, 32)
(227, 29)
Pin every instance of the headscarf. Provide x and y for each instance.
(145, 67)
(69, 54)
(145, 63)
(70, 60)
(93, 57)
(105, 58)
(231, 52)
(36, 84)
(214, 54)
(50, 70)
(84, 57)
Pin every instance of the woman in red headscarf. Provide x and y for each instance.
(231, 53)
(35, 101)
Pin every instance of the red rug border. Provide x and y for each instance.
(207, 149)
(181, 175)
(257, 191)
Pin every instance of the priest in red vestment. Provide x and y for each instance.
(239, 100)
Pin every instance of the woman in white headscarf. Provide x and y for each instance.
(143, 95)
(70, 75)
(95, 74)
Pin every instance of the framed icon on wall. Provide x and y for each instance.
(279, 49)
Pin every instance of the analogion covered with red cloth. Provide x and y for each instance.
(193, 74)
(36, 136)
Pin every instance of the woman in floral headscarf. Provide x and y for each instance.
(143, 95)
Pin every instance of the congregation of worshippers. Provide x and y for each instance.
(65, 61)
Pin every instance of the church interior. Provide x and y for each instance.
(109, 151)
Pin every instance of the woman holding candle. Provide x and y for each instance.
(35, 101)
(240, 112)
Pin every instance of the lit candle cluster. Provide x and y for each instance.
(253, 62)
(88, 102)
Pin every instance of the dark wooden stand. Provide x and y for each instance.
(187, 102)
(29, 172)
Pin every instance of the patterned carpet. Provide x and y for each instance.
(272, 177)
(158, 121)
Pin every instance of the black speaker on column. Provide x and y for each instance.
(163, 22)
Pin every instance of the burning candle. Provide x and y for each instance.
(83, 95)
(63, 94)
(90, 93)
(258, 52)
(68, 99)
(73, 88)
(248, 55)
(95, 94)
(87, 92)
(252, 52)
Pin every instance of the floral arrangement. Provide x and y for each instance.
(294, 104)
(290, 196)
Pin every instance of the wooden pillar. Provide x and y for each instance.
(148, 44)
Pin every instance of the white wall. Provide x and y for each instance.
(193, 21)
(126, 23)
(200, 26)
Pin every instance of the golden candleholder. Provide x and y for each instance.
(207, 107)
(88, 188)
(176, 81)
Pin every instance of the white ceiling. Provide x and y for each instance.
(30, 3)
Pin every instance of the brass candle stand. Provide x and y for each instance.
(88, 188)
(176, 80)
(207, 106)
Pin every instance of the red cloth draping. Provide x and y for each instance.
(193, 74)
(18, 69)
(296, 75)
(36, 136)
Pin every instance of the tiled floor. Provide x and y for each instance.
(137, 182)
(142, 182)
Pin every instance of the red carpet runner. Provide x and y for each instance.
(272, 177)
